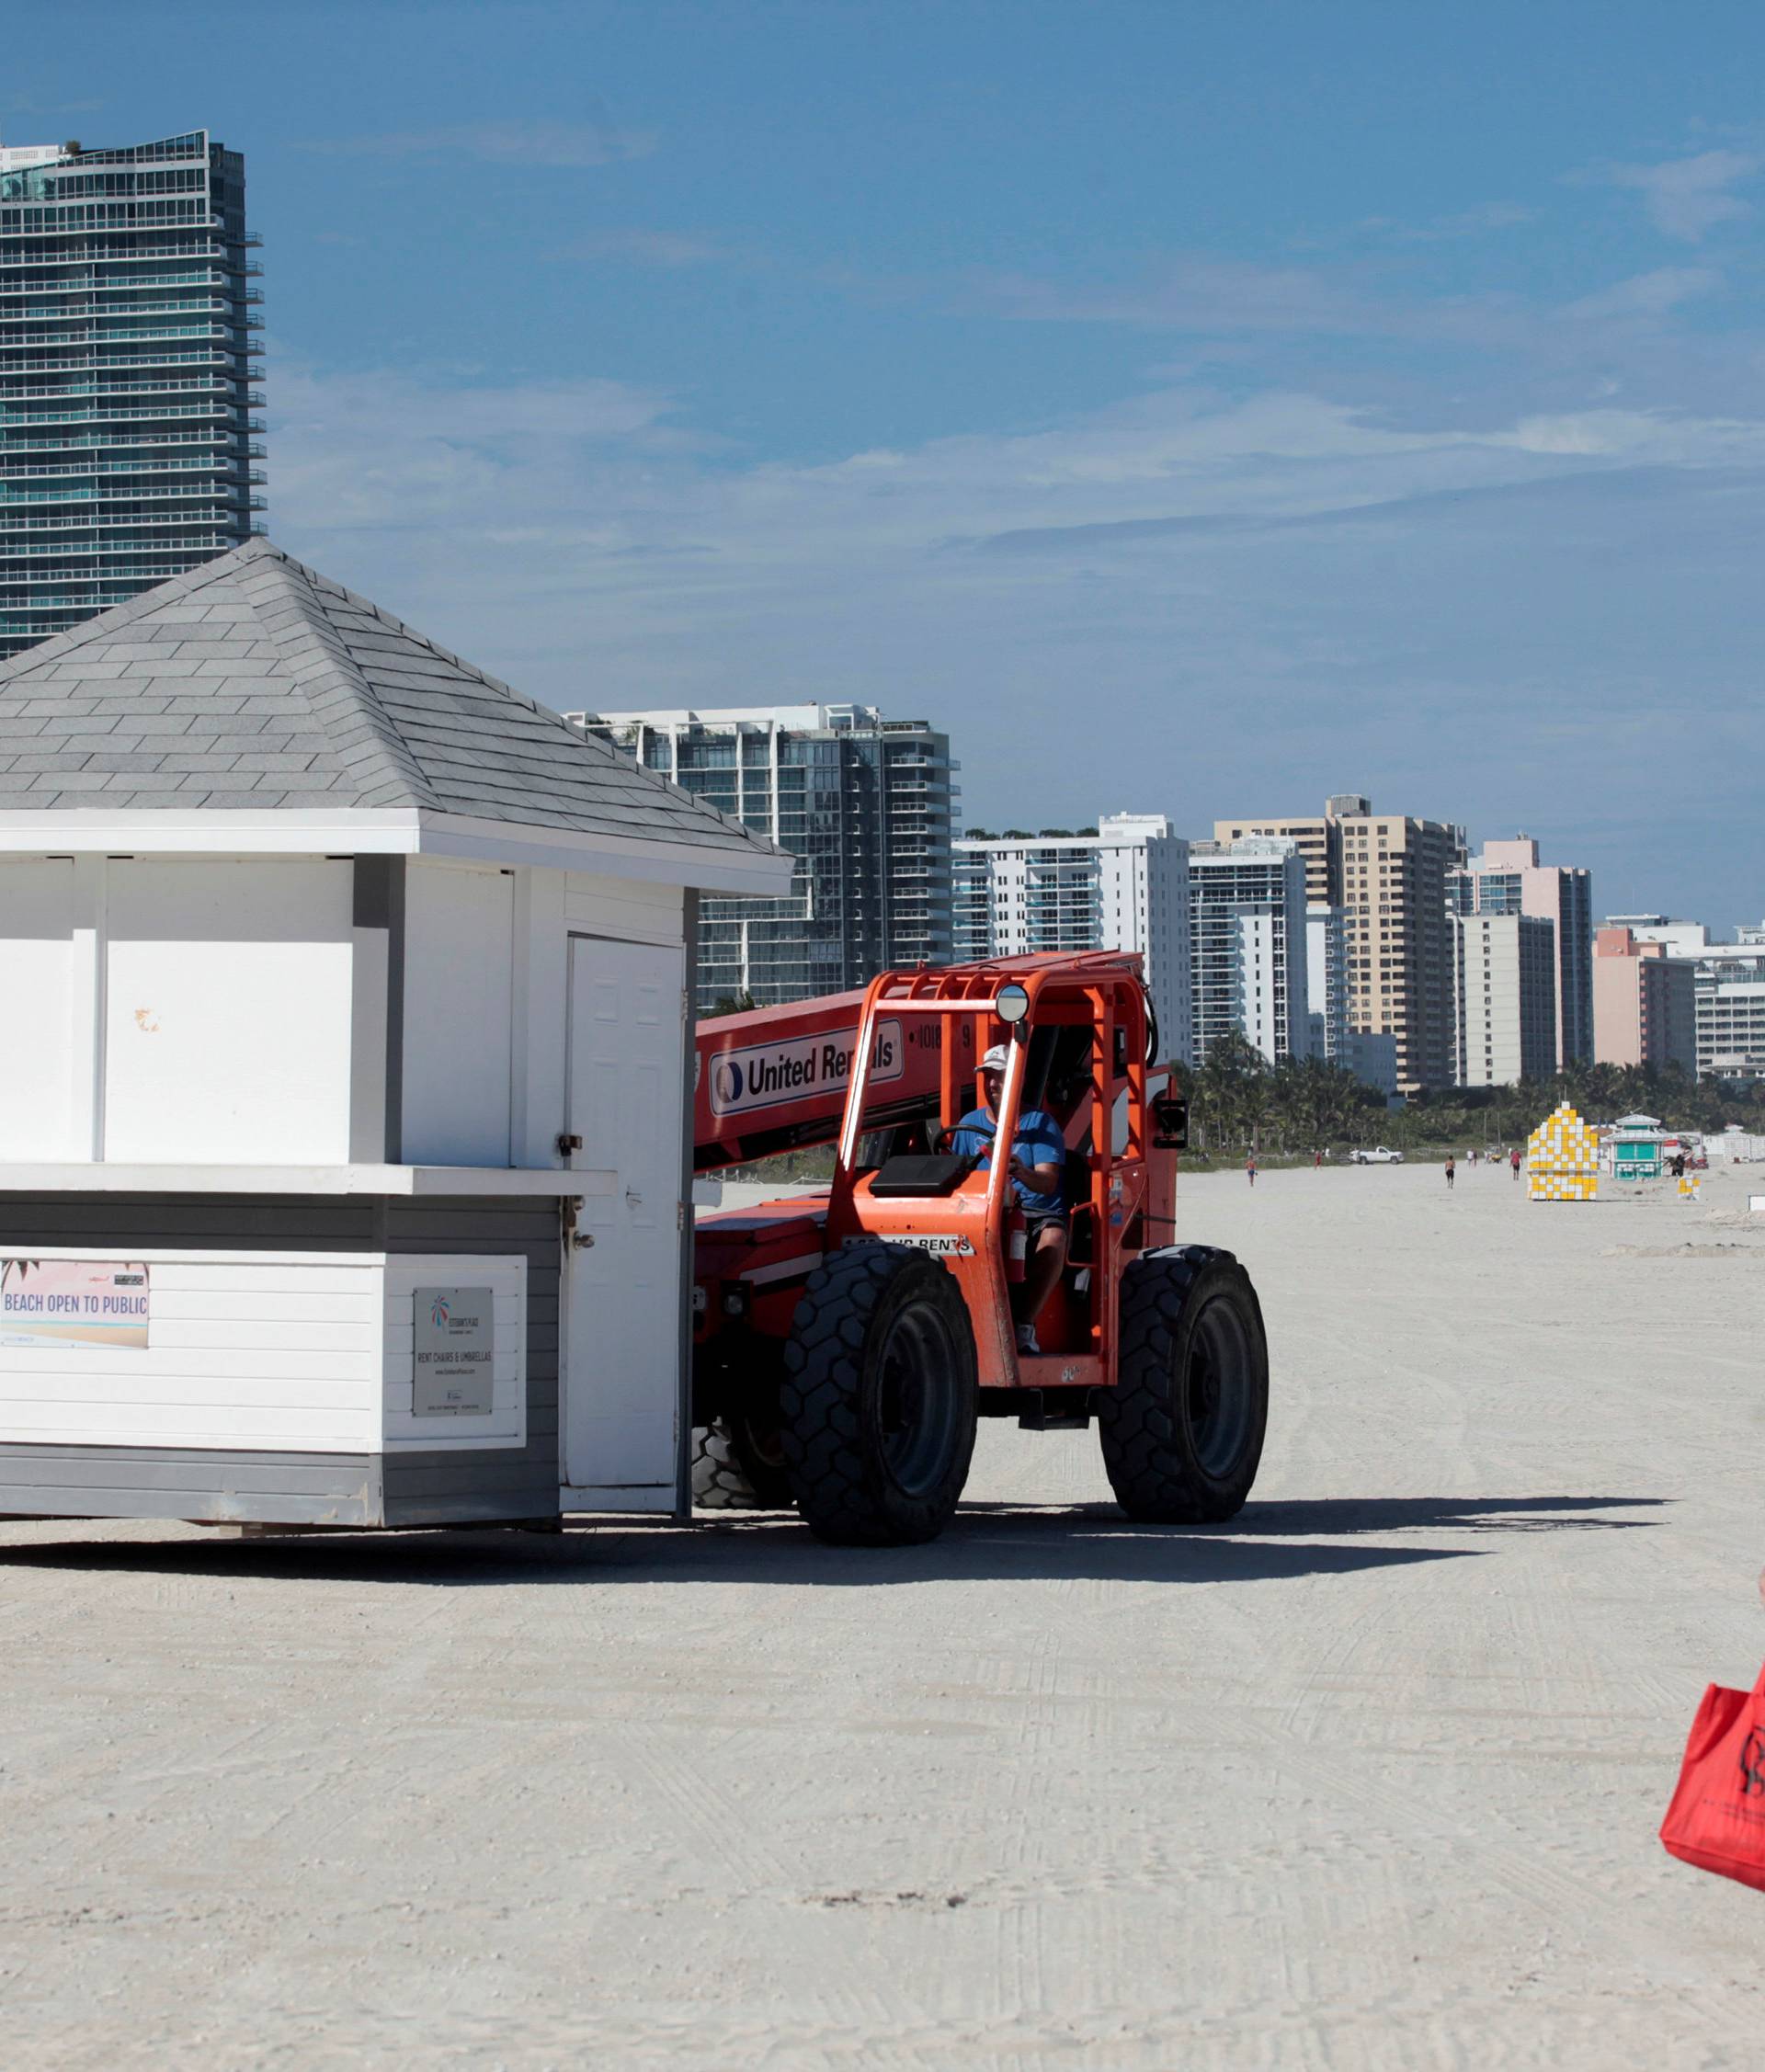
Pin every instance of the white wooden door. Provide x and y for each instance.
(620, 1408)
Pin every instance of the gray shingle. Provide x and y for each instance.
(122, 763)
(256, 682)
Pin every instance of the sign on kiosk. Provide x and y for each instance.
(74, 1302)
(455, 1344)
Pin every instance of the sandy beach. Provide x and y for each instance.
(1368, 1778)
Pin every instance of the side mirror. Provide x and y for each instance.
(1171, 1122)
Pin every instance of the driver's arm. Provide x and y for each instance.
(1043, 1177)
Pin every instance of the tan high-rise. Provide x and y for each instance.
(1389, 872)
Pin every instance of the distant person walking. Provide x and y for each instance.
(1250, 1169)
(1514, 1160)
(1449, 1168)
(1317, 1160)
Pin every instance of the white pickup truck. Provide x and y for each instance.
(1381, 1154)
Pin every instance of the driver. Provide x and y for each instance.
(1038, 1165)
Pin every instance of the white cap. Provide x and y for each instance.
(996, 1058)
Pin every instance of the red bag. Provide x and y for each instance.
(1717, 1817)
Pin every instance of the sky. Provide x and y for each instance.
(1195, 408)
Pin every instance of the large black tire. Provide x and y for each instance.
(879, 1398)
(733, 1471)
(1182, 1431)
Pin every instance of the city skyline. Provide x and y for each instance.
(1291, 489)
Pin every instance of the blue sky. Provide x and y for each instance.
(1196, 408)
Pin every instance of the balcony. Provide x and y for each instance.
(112, 547)
(84, 252)
(54, 471)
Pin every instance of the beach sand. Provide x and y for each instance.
(1370, 1777)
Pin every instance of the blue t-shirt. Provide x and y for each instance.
(1037, 1142)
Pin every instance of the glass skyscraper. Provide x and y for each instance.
(864, 803)
(129, 345)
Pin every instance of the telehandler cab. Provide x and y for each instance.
(845, 1346)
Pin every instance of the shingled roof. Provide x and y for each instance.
(254, 683)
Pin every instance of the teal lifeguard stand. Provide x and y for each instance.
(1636, 1142)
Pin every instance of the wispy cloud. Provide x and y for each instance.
(596, 141)
(1468, 222)
(1646, 294)
(664, 249)
(22, 103)
(1197, 294)
(1255, 584)
(1688, 196)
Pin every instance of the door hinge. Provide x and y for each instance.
(680, 1215)
(686, 1005)
(567, 1144)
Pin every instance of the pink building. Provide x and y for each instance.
(1645, 1004)
(1507, 878)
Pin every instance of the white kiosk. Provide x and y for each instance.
(344, 1064)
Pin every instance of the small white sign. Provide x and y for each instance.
(456, 1352)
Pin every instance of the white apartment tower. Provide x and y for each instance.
(1326, 982)
(1124, 887)
(1506, 973)
(1248, 921)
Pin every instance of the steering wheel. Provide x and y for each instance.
(945, 1142)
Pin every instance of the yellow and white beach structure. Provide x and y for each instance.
(1563, 1158)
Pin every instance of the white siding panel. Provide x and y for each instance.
(36, 1027)
(227, 1011)
(269, 1305)
(285, 1352)
(458, 975)
(315, 1389)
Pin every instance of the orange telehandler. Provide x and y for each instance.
(845, 1344)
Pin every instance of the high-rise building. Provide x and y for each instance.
(1389, 872)
(1124, 887)
(129, 344)
(1506, 970)
(1507, 878)
(1730, 1008)
(1247, 922)
(866, 805)
(1326, 982)
(1644, 1009)
(1728, 987)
